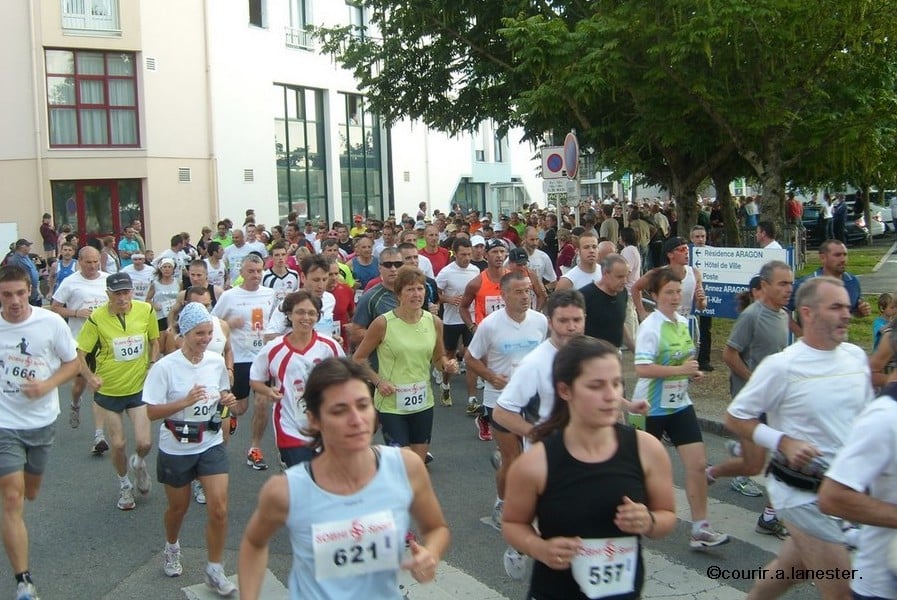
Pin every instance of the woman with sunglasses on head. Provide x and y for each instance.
(348, 510)
(281, 368)
(408, 343)
(594, 485)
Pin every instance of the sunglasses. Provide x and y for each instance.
(393, 264)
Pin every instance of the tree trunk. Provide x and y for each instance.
(686, 207)
(727, 206)
(772, 202)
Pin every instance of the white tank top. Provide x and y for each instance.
(219, 340)
(688, 291)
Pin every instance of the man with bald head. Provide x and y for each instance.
(588, 270)
(539, 261)
(77, 297)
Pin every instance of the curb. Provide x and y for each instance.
(884, 258)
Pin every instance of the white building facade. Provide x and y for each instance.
(181, 113)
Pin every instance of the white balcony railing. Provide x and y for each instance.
(96, 17)
(296, 37)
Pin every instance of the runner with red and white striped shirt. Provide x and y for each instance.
(286, 362)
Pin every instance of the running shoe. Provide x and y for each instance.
(233, 424)
(733, 447)
(462, 368)
(437, 375)
(496, 513)
(495, 459)
(710, 478)
(26, 591)
(75, 416)
(141, 475)
(484, 431)
(172, 565)
(746, 487)
(707, 538)
(199, 494)
(515, 564)
(446, 395)
(256, 460)
(480, 383)
(218, 581)
(428, 459)
(100, 445)
(773, 527)
(473, 407)
(126, 499)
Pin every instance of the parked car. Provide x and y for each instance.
(855, 228)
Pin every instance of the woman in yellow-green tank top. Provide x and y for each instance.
(407, 340)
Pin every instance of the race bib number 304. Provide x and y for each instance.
(128, 348)
(368, 544)
(606, 566)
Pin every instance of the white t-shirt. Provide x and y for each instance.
(325, 326)
(170, 380)
(219, 339)
(581, 278)
(255, 308)
(282, 285)
(141, 279)
(233, 257)
(632, 257)
(541, 264)
(78, 293)
(868, 461)
(502, 343)
(773, 245)
(216, 274)
(36, 347)
(452, 281)
(811, 395)
(530, 391)
(426, 267)
(288, 368)
(257, 247)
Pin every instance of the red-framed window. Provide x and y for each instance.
(97, 208)
(92, 98)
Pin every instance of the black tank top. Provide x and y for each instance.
(581, 499)
(212, 294)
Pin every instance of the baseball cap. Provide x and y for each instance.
(673, 243)
(420, 225)
(518, 256)
(118, 282)
(494, 243)
(477, 240)
(451, 228)
(22, 242)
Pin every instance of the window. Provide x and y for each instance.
(98, 208)
(92, 98)
(356, 17)
(498, 150)
(359, 156)
(470, 195)
(257, 13)
(297, 32)
(300, 152)
(94, 17)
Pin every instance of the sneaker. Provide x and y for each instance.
(100, 445)
(218, 581)
(710, 478)
(733, 447)
(480, 383)
(172, 565)
(495, 459)
(515, 564)
(26, 591)
(496, 514)
(199, 494)
(126, 499)
(484, 431)
(75, 416)
(446, 395)
(462, 368)
(746, 487)
(473, 407)
(233, 424)
(256, 460)
(707, 538)
(437, 375)
(773, 527)
(141, 475)
(428, 459)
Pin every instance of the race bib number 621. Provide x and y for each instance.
(368, 544)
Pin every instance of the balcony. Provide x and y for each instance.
(298, 37)
(91, 17)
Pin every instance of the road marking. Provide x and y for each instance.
(272, 589)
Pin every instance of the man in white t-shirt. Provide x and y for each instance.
(766, 236)
(177, 254)
(588, 270)
(539, 262)
(235, 254)
(451, 283)
(141, 274)
(217, 267)
(500, 343)
(279, 277)
(37, 355)
(247, 309)
(252, 241)
(78, 296)
(811, 393)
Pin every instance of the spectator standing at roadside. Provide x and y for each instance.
(49, 236)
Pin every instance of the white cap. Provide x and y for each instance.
(477, 240)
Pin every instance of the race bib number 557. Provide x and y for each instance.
(606, 566)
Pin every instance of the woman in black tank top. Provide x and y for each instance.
(594, 486)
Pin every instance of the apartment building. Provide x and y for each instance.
(179, 113)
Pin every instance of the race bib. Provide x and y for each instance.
(411, 397)
(606, 566)
(203, 410)
(493, 304)
(353, 547)
(673, 393)
(141, 287)
(19, 368)
(128, 348)
(325, 326)
(92, 304)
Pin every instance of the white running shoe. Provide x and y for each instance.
(515, 564)
(199, 494)
(437, 375)
(126, 499)
(496, 514)
(706, 537)
(218, 581)
(26, 591)
(172, 565)
(141, 475)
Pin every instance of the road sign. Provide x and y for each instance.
(571, 155)
(554, 186)
(553, 162)
(727, 272)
